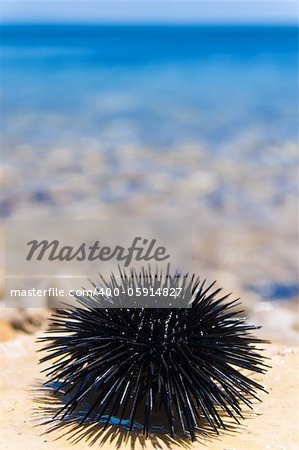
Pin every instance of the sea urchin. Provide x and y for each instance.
(141, 365)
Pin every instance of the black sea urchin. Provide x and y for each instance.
(140, 366)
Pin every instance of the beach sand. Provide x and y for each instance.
(272, 426)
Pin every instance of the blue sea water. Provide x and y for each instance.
(154, 86)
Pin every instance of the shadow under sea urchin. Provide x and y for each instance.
(151, 369)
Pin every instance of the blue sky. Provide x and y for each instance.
(223, 11)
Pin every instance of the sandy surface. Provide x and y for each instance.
(274, 426)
